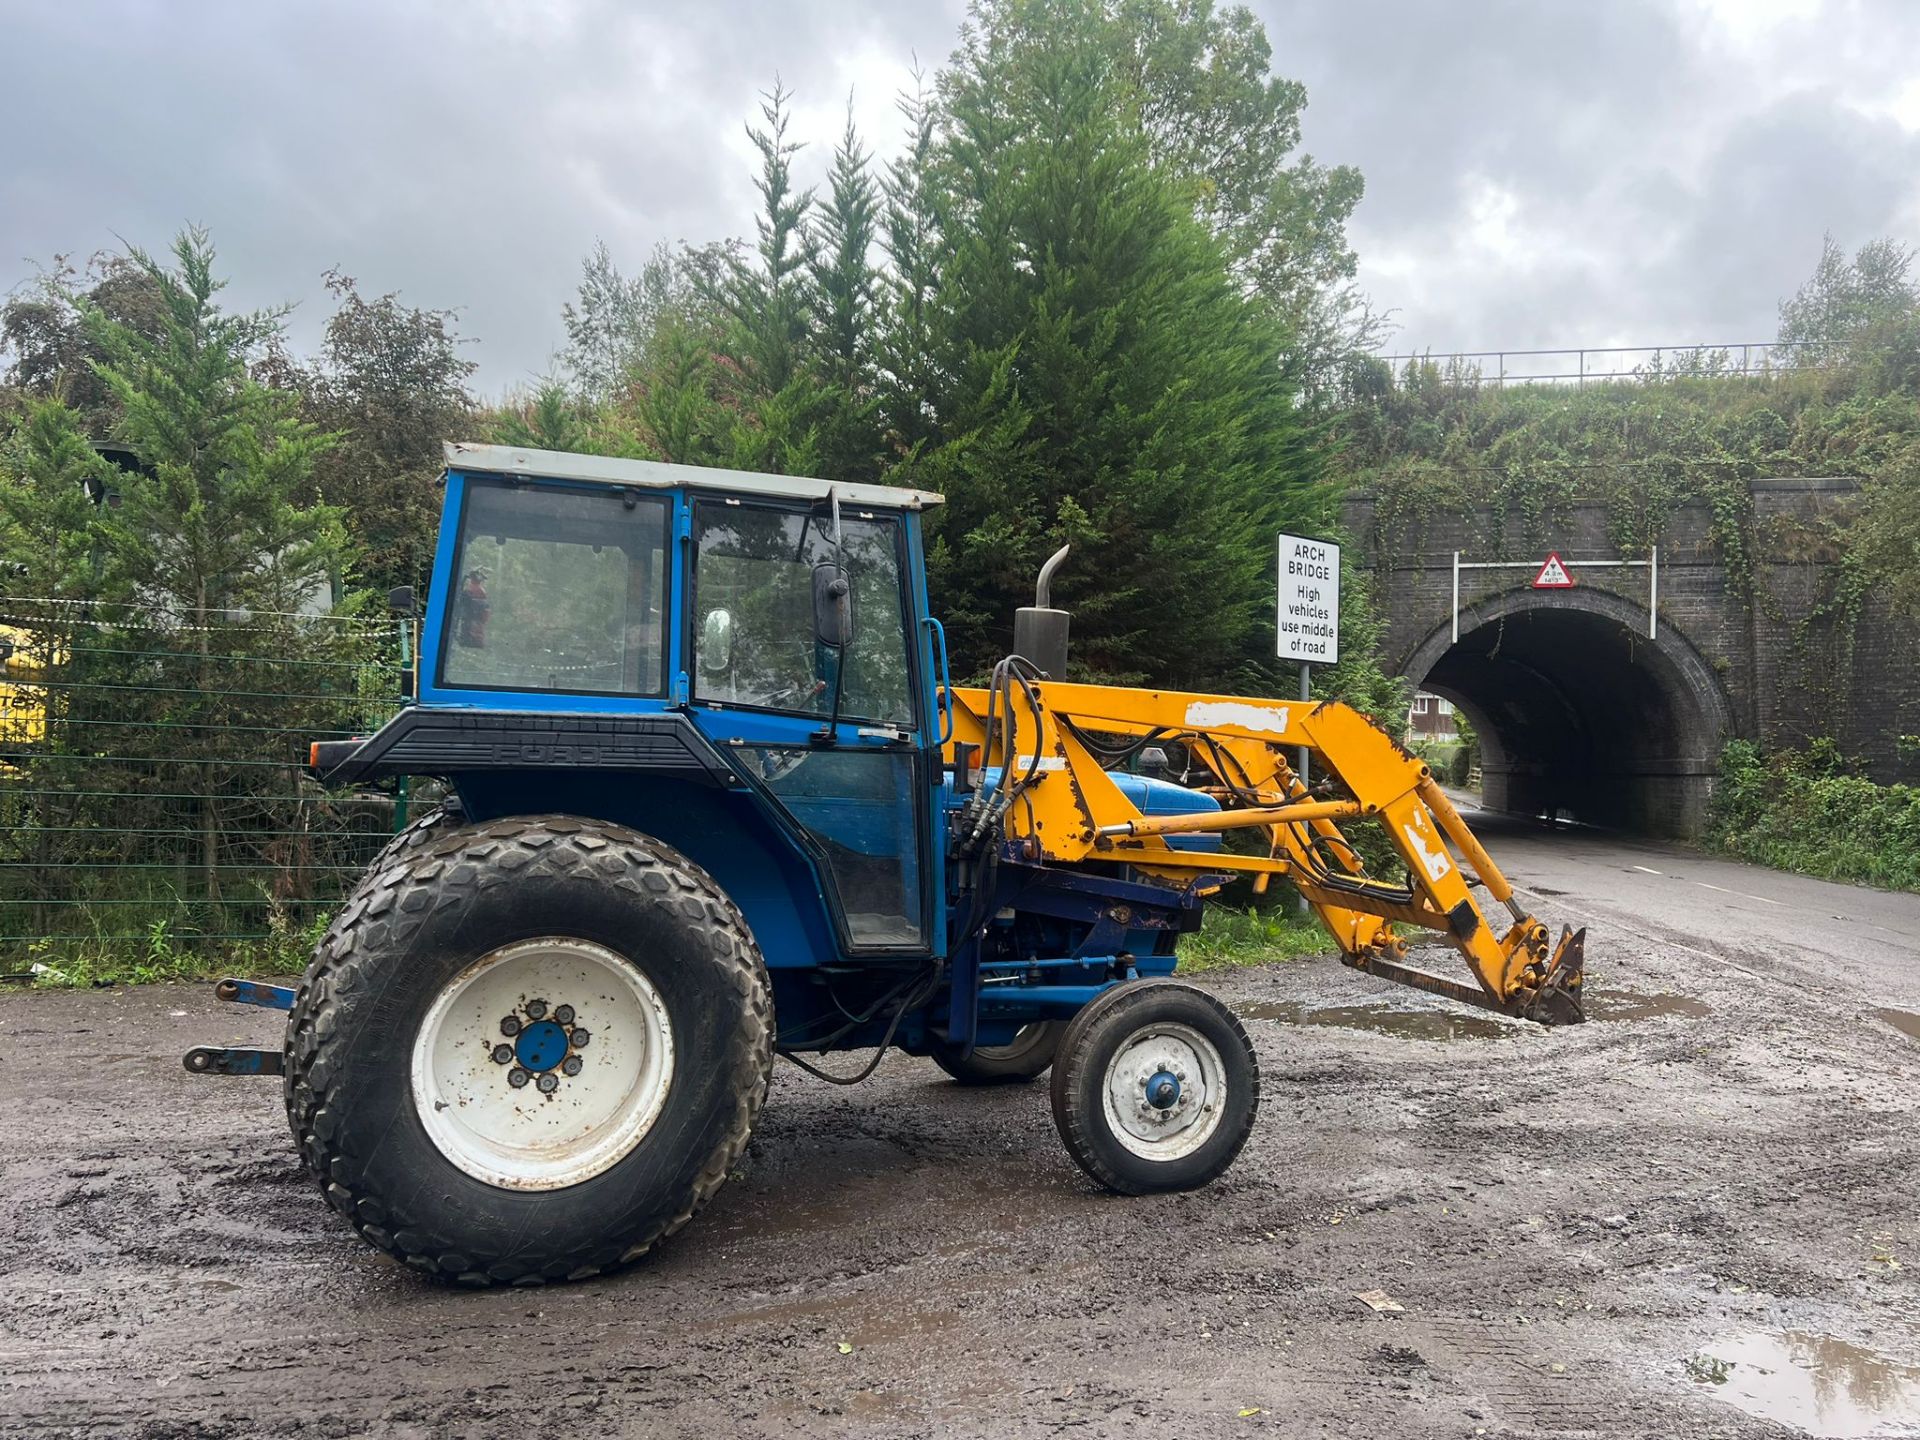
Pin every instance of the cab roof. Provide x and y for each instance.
(473, 459)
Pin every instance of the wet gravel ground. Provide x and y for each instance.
(1566, 1218)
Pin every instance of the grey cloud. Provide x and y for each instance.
(1668, 178)
(467, 156)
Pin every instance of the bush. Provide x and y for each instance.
(1807, 811)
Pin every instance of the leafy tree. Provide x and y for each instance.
(390, 388)
(1850, 307)
(53, 352)
(611, 328)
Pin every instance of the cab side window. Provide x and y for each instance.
(753, 630)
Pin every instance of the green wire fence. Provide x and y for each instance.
(154, 798)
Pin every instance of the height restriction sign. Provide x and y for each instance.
(1309, 600)
(1553, 575)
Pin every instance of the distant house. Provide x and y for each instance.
(1430, 718)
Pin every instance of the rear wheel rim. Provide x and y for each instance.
(1164, 1093)
(543, 1063)
(1026, 1040)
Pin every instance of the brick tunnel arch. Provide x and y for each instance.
(1578, 711)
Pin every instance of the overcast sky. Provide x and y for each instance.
(1538, 173)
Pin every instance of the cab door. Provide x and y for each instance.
(764, 685)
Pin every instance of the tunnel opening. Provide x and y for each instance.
(1580, 714)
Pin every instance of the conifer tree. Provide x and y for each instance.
(1108, 381)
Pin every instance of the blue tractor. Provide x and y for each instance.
(713, 800)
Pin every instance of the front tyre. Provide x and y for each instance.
(1155, 1087)
(529, 1050)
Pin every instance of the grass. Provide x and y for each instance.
(1231, 938)
(165, 953)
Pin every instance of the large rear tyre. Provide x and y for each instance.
(529, 1050)
(448, 815)
(1025, 1058)
(1155, 1087)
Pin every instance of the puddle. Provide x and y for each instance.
(1823, 1386)
(1384, 1020)
(1636, 1005)
(1905, 1021)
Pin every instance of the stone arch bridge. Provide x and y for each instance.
(1580, 710)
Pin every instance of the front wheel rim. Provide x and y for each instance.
(1165, 1091)
(543, 1063)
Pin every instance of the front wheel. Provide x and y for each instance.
(529, 1050)
(1025, 1057)
(1155, 1087)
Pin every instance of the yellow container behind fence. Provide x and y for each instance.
(23, 702)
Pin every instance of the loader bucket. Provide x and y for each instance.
(1558, 1000)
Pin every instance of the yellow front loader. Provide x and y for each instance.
(1057, 745)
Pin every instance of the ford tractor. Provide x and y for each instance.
(713, 799)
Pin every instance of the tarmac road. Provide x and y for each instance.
(1719, 1169)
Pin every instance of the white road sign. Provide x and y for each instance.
(1309, 600)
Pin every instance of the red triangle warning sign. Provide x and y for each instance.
(1553, 575)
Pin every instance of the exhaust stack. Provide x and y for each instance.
(1040, 631)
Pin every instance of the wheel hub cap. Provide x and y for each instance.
(541, 1046)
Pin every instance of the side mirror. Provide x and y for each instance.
(400, 600)
(832, 606)
(716, 642)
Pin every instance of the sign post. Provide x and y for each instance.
(1308, 618)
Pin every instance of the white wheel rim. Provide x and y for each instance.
(1138, 1109)
(586, 1035)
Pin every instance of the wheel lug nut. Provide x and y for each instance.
(564, 1014)
(571, 1066)
(580, 1038)
(517, 1078)
(502, 1054)
(510, 1026)
(548, 1083)
(537, 1009)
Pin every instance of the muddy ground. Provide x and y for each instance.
(1635, 1227)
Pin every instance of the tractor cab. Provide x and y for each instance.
(773, 630)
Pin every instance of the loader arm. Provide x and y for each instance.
(1045, 747)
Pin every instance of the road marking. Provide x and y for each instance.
(1721, 888)
(1645, 870)
(1763, 899)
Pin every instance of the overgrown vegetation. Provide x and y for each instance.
(179, 621)
(1844, 400)
(1231, 937)
(1809, 811)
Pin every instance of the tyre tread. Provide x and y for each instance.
(434, 869)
